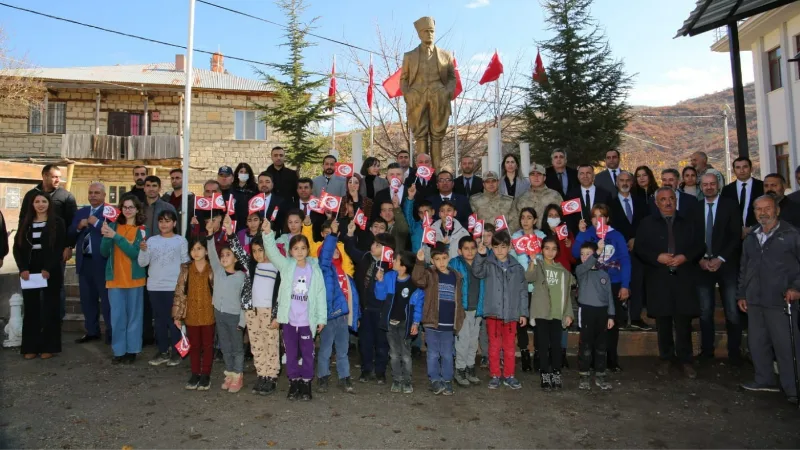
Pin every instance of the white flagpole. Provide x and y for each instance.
(371, 119)
(187, 123)
(455, 128)
(499, 125)
(333, 115)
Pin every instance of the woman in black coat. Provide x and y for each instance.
(38, 247)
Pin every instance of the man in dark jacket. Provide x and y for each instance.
(559, 177)
(175, 199)
(668, 246)
(788, 209)
(139, 174)
(468, 184)
(769, 282)
(744, 189)
(425, 188)
(590, 195)
(3, 239)
(284, 179)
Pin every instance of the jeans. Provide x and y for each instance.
(372, 343)
(399, 352)
(706, 282)
(230, 341)
(93, 287)
(167, 334)
(126, 319)
(440, 354)
(335, 333)
(467, 341)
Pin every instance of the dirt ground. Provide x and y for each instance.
(80, 400)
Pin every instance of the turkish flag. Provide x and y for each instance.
(218, 202)
(361, 219)
(315, 204)
(571, 206)
(471, 221)
(521, 244)
(257, 203)
(534, 245)
(448, 223)
(539, 74)
(429, 236)
(202, 203)
(110, 213)
(332, 87)
(274, 214)
(183, 346)
(392, 85)
(602, 227)
(343, 169)
(562, 232)
(331, 202)
(387, 255)
(143, 230)
(500, 224)
(425, 172)
(477, 232)
(427, 220)
(459, 87)
(231, 206)
(371, 86)
(493, 70)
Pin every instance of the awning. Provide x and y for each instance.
(712, 14)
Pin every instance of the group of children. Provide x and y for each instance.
(294, 288)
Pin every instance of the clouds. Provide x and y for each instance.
(477, 4)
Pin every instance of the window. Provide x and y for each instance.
(249, 125)
(56, 119)
(774, 62)
(782, 161)
(127, 124)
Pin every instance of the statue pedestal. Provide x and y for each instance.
(13, 329)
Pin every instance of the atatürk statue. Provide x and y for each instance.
(428, 82)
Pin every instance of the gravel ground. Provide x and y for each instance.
(79, 400)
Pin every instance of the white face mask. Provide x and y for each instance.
(553, 221)
(244, 177)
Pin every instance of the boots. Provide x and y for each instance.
(461, 377)
(525, 355)
(305, 390)
(269, 387)
(546, 383)
(471, 377)
(294, 388)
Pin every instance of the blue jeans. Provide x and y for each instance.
(127, 307)
(167, 334)
(727, 290)
(335, 333)
(372, 343)
(441, 345)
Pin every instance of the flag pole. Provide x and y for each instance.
(187, 124)
(455, 129)
(333, 109)
(497, 104)
(371, 119)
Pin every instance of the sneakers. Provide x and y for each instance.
(381, 377)
(259, 385)
(689, 371)
(396, 387)
(484, 362)
(585, 383)
(494, 383)
(601, 382)
(237, 382)
(546, 384)
(365, 377)
(640, 325)
(448, 388)
(461, 377)
(757, 387)
(347, 385)
(194, 380)
(294, 389)
(408, 388)
(471, 377)
(512, 383)
(269, 387)
(226, 383)
(205, 383)
(159, 359)
(322, 384)
(174, 359)
(525, 358)
(555, 380)
(437, 387)
(130, 358)
(305, 390)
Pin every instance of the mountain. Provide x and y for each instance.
(662, 137)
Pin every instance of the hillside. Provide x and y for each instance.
(679, 137)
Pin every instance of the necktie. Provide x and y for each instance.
(709, 228)
(670, 240)
(561, 180)
(628, 210)
(305, 208)
(614, 177)
(87, 239)
(588, 203)
(466, 183)
(743, 197)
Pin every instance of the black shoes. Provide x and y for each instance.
(270, 386)
(205, 383)
(118, 359)
(130, 358)
(322, 384)
(365, 377)
(294, 389)
(305, 390)
(193, 382)
(381, 377)
(86, 338)
(525, 356)
(259, 385)
(347, 385)
(640, 325)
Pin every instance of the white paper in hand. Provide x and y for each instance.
(35, 281)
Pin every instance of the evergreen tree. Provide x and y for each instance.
(296, 110)
(581, 105)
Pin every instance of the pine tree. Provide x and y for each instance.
(581, 107)
(296, 111)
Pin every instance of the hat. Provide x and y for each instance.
(423, 23)
(490, 175)
(537, 168)
(225, 171)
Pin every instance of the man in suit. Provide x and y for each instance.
(404, 161)
(445, 182)
(468, 184)
(428, 82)
(174, 198)
(425, 188)
(685, 203)
(668, 245)
(589, 194)
(720, 222)
(330, 183)
(393, 170)
(91, 265)
(627, 211)
(607, 179)
(744, 190)
(559, 176)
(304, 188)
(273, 201)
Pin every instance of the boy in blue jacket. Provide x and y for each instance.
(472, 300)
(343, 313)
(400, 316)
(414, 212)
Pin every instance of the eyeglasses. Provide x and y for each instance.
(128, 208)
(445, 180)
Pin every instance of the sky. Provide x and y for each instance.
(640, 33)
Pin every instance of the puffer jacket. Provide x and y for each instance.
(522, 258)
(414, 225)
(347, 263)
(428, 279)
(337, 303)
(615, 258)
(767, 271)
(385, 292)
(460, 265)
(506, 293)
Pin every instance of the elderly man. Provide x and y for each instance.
(607, 179)
(389, 194)
(699, 160)
(468, 183)
(560, 177)
(775, 185)
(684, 203)
(91, 265)
(721, 223)
(668, 245)
(769, 283)
(328, 181)
(537, 197)
(425, 188)
(491, 203)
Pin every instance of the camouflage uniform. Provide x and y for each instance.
(536, 198)
(488, 206)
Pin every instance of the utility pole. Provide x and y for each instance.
(727, 141)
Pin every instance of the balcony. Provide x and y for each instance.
(120, 148)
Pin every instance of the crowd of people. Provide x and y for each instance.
(402, 256)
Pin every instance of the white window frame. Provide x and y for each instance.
(56, 119)
(248, 125)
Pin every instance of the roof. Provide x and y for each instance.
(755, 27)
(161, 74)
(711, 14)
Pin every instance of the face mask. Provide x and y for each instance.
(244, 177)
(553, 221)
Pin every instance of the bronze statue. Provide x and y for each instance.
(428, 82)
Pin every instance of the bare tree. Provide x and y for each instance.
(18, 89)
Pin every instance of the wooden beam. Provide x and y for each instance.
(70, 172)
(97, 114)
